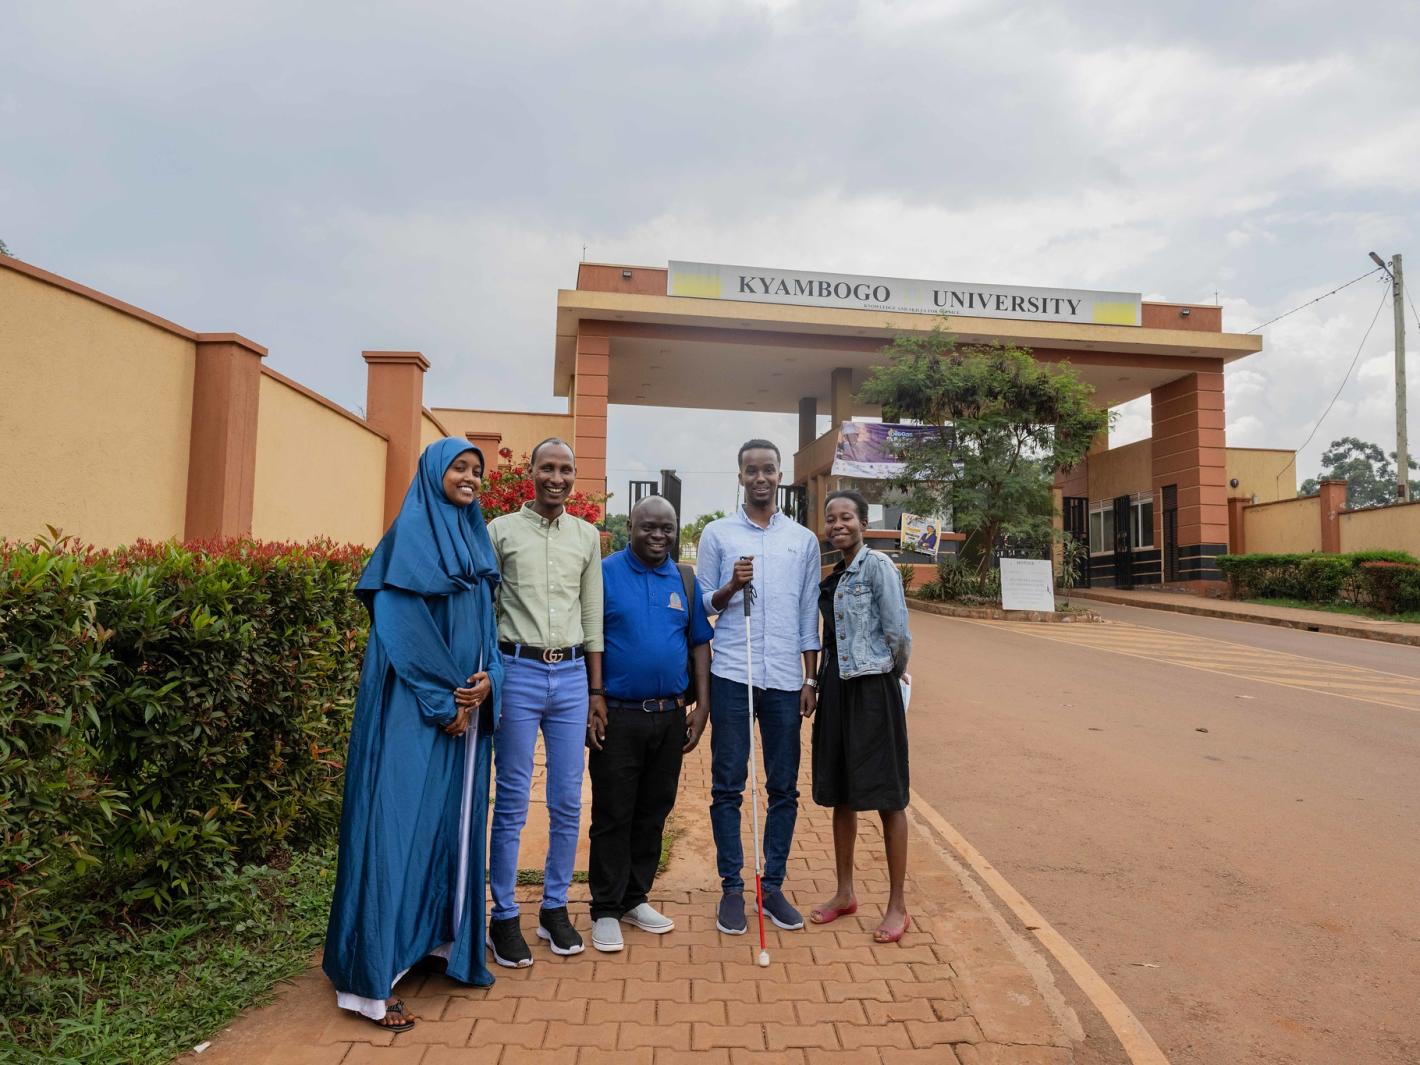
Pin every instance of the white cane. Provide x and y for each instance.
(753, 787)
(466, 808)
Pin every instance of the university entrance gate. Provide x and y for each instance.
(727, 338)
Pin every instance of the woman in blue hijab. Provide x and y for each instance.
(411, 878)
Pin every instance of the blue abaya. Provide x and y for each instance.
(412, 868)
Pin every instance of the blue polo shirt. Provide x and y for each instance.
(646, 623)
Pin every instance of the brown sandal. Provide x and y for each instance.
(397, 1006)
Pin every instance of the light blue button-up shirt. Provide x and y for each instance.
(785, 608)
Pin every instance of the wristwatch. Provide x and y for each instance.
(811, 683)
(597, 691)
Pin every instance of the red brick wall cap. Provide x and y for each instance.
(414, 357)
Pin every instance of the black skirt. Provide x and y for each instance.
(859, 731)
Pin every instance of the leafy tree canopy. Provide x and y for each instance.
(4, 249)
(690, 534)
(619, 526)
(1368, 471)
(1008, 425)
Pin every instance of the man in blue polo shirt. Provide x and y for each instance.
(640, 724)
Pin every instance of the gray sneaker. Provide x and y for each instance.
(731, 917)
(606, 935)
(647, 918)
(777, 909)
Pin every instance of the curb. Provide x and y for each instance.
(1327, 627)
(995, 613)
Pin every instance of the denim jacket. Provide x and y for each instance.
(870, 615)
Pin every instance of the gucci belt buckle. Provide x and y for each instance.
(552, 655)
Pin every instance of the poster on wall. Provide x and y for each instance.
(1027, 584)
(869, 450)
(921, 534)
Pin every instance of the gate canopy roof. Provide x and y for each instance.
(717, 354)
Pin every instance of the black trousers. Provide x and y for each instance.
(634, 781)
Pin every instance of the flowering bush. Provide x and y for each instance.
(166, 711)
(509, 485)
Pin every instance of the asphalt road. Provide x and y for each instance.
(1221, 817)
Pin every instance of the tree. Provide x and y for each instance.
(1368, 471)
(4, 248)
(618, 527)
(1007, 425)
(690, 534)
(509, 485)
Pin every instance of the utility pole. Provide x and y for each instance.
(1402, 446)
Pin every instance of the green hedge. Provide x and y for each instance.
(1386, 580)
(166, 712)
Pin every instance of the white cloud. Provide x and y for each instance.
(326, 178)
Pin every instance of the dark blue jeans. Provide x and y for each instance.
(778, 714)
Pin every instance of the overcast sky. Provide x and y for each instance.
(330, 177)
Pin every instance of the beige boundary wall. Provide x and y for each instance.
(519, 431)
(95, 417)
(1288, 526)
(117, 425)
(430, 428)
(1393, 528)
(318, 467)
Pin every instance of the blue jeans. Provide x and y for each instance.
(553, 698)
(778, 715)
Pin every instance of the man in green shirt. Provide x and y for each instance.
(550, 633)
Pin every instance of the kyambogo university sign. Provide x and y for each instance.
(756, 285)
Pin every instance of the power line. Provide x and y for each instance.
(1323, 296)
(1354, 359)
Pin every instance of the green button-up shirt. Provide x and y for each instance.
(552, 580)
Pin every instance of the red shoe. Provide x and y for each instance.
(819, 915)
(884, 934)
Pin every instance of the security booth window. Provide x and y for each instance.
(1101, 529)
(1142, 512)
(1141, 521)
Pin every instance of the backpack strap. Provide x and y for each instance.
(687, 578)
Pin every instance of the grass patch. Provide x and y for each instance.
(1412, 617)
(142, 993)
(533, 877)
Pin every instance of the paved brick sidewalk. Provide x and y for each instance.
(1260, 613)
(951, 993)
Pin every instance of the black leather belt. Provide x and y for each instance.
(650, 706)
(550, 655)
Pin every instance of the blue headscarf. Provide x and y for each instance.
(433, 547)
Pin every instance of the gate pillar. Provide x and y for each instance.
(1189, 455)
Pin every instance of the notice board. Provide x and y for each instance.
(1027, 584)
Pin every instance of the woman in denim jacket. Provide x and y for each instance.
(860, 730)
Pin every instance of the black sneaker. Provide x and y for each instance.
(779, 910)
(554, 926)
(730, 918)
(505, 940)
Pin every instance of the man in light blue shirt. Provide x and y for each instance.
(781, 557)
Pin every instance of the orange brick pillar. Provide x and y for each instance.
(1333, 502)
(394, 402)
(1188, 454)
(1237, 538)
(589, 393)
(221, 464)
(488, 443)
